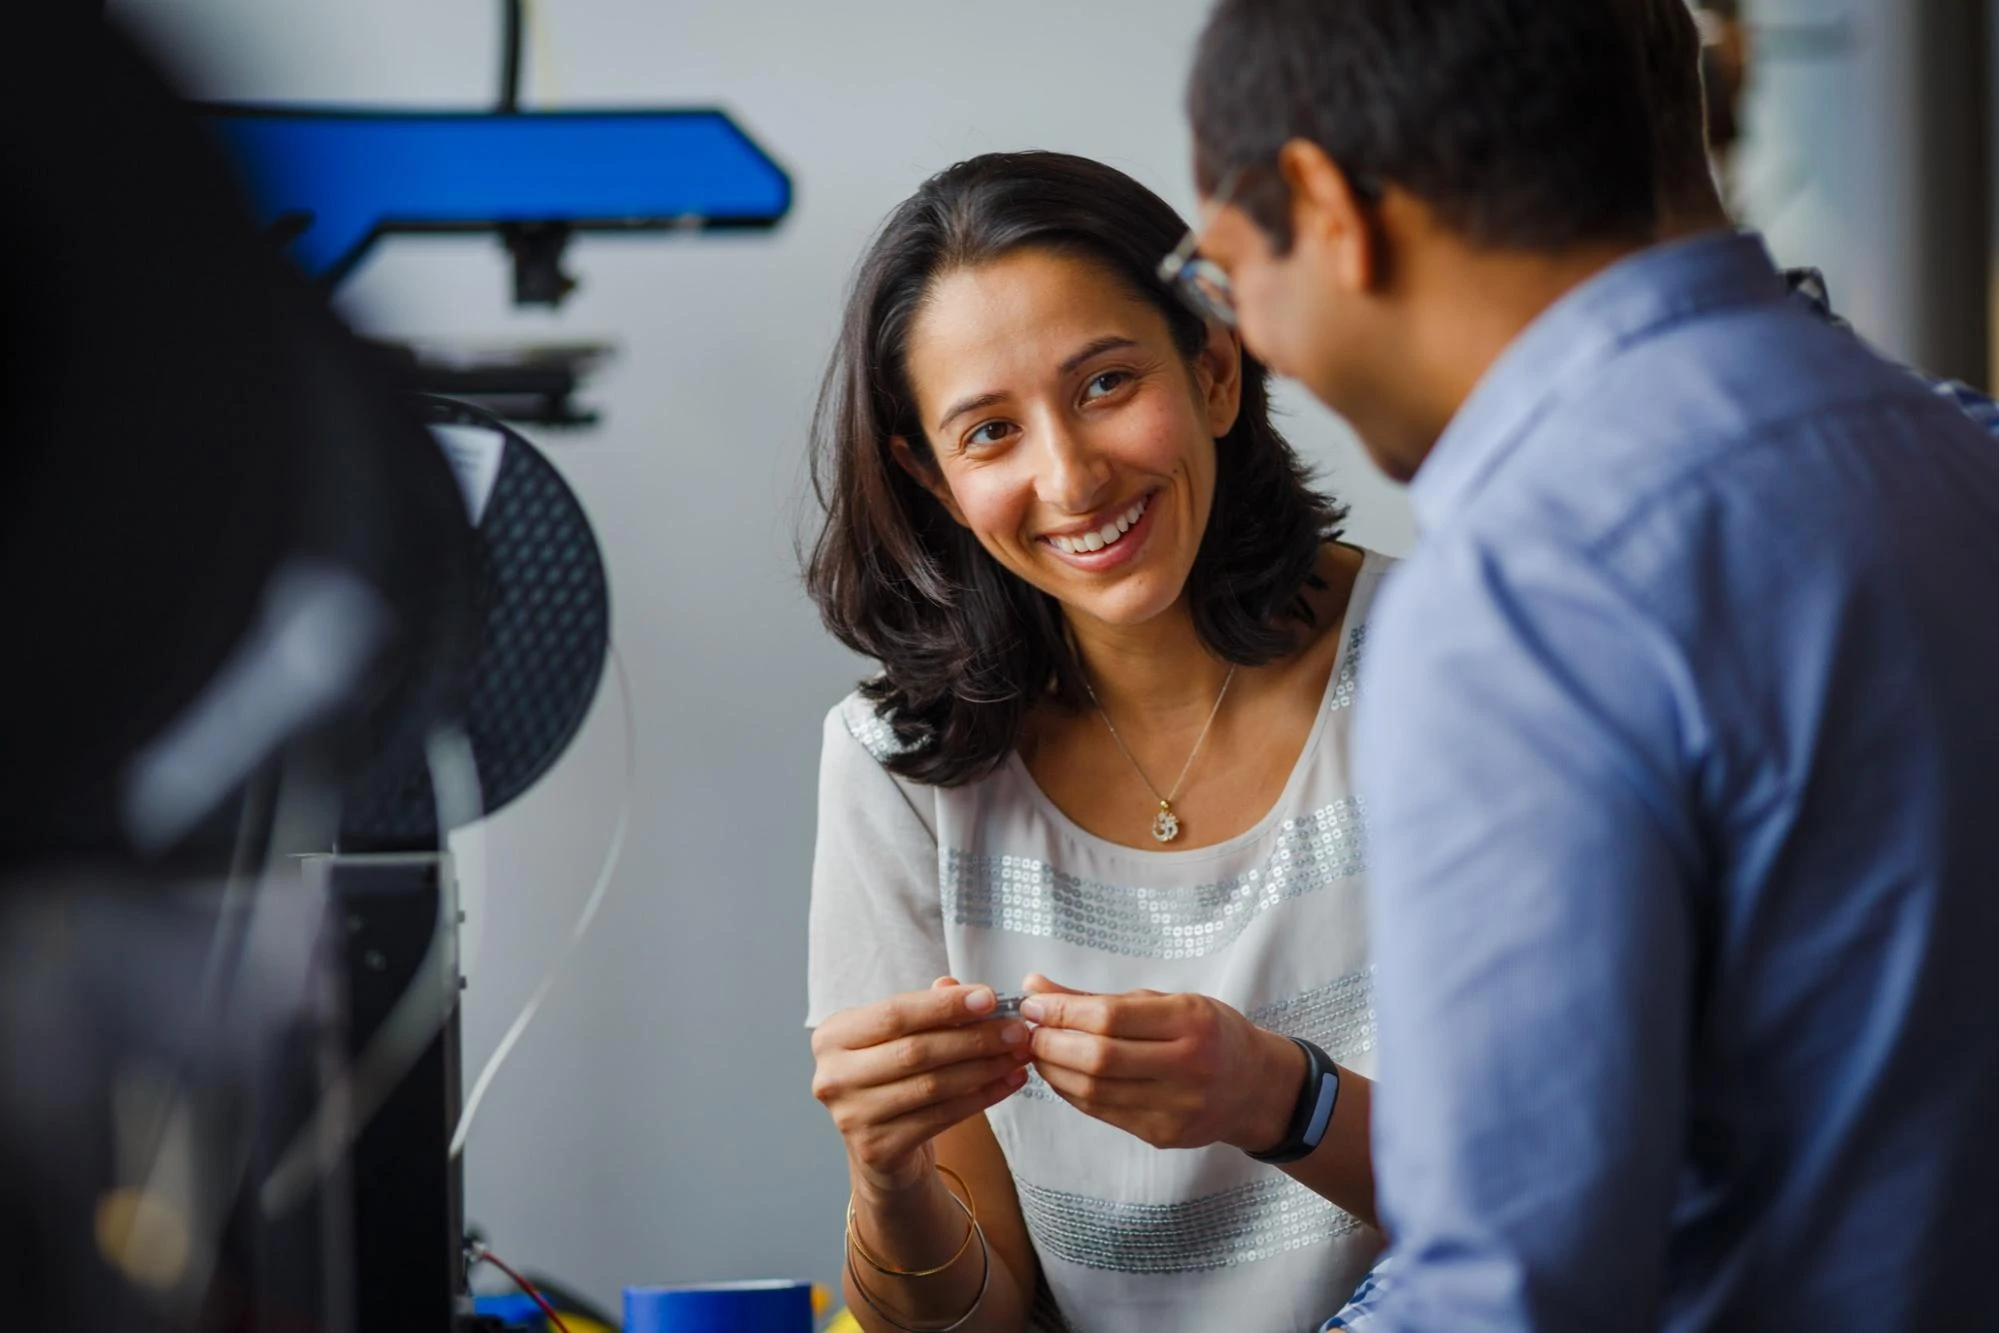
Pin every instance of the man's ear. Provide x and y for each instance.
(1328, 215)
(1218, 375)
(924, 472)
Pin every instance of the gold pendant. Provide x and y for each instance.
(1165, 824)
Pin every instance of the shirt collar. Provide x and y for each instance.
(1626, 303)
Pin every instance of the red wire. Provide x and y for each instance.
(487, 1256)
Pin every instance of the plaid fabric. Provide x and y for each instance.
(1366, 1299)
(1808, 285)
(1980, 408)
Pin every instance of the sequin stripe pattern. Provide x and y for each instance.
(865, 725)
(1339, 1017)
(1032, 897)
(1349, 677)
(1036, 1088)
(1235, 1226)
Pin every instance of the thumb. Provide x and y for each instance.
(944, 983)
(1037, 984)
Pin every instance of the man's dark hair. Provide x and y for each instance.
(1520, 122)
(1669, 50)
(967, 648)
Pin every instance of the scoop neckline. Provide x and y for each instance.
(1271, 817)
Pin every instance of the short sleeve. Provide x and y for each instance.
(877, 924)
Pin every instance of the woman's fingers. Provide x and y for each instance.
(1178, 1071)
(1094, 1092)
(900, 1015)
(1154, 1111)
(1114, 1057)
(895, 1073)
(935, 1087)
(892, 1139)
(918, 1059)
(1139, 1014)
(923, 1052)
(1163, 1114)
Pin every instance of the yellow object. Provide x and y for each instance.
(576, 1323)
(844, 1322)
(144, 1235)
(822, 1301)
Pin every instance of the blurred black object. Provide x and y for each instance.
(237, 570)
(537, 249)
(249, 621)
(184, 422)
(161, 1040)
(533, 383)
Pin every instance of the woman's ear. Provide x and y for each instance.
(1218, 374)
(925, 474)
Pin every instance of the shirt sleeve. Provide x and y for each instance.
(1521, 750)
(877, 924)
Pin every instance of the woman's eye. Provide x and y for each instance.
(992, 432)
(1108, 382)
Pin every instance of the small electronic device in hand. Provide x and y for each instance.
(1007, 1006)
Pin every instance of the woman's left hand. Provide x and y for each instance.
(1178, 1071)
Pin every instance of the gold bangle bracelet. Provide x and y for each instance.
(971, 1210)
(985, 1285)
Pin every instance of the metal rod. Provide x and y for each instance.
(510, 55)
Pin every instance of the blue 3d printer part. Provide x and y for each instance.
(334, 181)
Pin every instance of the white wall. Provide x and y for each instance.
(657, 1124)
(1863, 156)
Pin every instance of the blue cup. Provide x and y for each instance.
(720, 1307)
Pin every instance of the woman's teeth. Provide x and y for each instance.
(1107, 535)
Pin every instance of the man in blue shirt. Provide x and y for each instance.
(1689, 205)
(1680, 727)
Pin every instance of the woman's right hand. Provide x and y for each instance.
(897, 1073)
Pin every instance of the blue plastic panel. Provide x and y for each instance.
(360, 174)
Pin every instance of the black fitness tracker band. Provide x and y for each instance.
(1314, 1110)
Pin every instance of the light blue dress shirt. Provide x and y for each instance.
(1679, 735)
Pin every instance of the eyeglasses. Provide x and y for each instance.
(1201, 283)
(1198, 282)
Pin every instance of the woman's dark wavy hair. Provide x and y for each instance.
(966, 647)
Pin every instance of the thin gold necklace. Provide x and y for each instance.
(1165, 824)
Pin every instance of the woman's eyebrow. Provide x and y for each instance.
(1097, 347)
(972, 404)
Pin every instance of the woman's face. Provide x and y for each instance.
(1070, 435)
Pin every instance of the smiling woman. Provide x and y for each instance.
(1059, 516)
(968, 648)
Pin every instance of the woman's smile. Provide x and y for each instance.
(1105, 541)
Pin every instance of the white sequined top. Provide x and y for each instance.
(990, 881)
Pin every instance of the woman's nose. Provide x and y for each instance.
(1073, 478)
